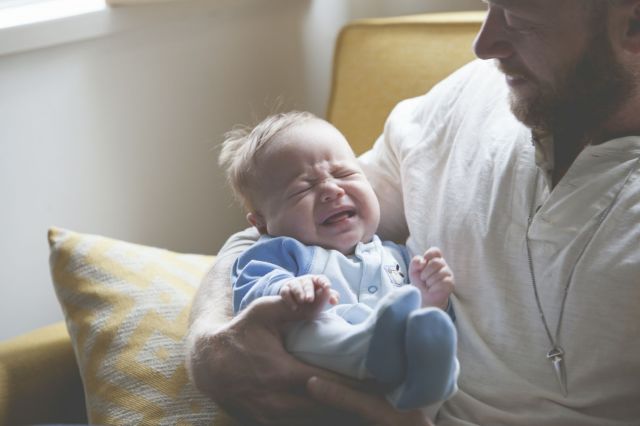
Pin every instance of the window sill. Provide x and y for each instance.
(98, 23)
(44, 24)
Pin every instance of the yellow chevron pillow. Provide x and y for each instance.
(126, 308)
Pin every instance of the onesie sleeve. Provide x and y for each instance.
(261, 270)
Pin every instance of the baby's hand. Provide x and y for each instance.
(307, 290)
(431, 274)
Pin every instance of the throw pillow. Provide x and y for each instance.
(126, 307)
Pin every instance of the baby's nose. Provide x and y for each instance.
(331, 191)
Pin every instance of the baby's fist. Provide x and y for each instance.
(308, 290)
(433, 277)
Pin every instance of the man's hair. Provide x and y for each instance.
(243, 143)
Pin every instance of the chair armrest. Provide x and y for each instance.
(39, 379)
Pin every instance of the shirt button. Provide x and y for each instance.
(372, 289)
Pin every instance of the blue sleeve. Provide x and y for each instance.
(261, 270)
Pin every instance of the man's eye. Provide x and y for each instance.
(517, 24)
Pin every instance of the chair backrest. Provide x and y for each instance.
(378, 62)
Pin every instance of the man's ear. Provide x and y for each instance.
(630, 13)
(256, 219)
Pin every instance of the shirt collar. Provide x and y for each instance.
(543, 143)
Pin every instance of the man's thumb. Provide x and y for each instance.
(272, 311)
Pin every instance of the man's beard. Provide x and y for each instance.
(576, 107)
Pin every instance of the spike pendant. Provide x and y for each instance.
(556, 356)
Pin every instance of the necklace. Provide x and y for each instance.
(556, 353)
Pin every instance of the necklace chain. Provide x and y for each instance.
(556, 354)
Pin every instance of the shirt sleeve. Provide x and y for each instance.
(382, 168)
(239, 242)
(412, 122)
(261, 270)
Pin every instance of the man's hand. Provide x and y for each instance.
(433, 277)
(244, 368)
(241, 363)
(372, 408)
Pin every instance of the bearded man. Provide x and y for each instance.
(524, 169)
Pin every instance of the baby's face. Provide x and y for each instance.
(311, 188)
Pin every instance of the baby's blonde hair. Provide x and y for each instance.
(242, 143)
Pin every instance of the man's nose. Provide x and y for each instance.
(491, 41)
(331, 190)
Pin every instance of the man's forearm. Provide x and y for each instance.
(212, 302)
(211, 307)
(211, 310)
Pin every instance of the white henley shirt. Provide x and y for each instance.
(455, 169)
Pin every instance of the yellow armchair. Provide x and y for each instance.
(39, 379)
(377, 63)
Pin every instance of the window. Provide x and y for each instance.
(15, 13)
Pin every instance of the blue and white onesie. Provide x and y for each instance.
(356, 338)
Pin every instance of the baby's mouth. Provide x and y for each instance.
(339, 216)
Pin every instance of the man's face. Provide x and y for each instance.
(558, 63)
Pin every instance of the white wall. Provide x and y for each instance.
(115, 135)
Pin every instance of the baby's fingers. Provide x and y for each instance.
(305, 292)
(321, 281)
(432, 253)
(287, 296)
(334, 297)
(416, 267)
(435, 267)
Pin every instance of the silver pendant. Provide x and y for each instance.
(556, 356)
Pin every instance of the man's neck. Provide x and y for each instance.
(565, 152)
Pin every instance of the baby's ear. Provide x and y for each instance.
(257, 220)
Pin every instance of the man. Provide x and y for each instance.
(528, 179)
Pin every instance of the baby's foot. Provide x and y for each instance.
(386, 357)
(432, 367)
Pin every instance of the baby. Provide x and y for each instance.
(317, 215)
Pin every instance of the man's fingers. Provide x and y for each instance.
(287, 297)
(298, 374)
(282, 409)
(372, 408)
(342, 397)
(273, 312)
